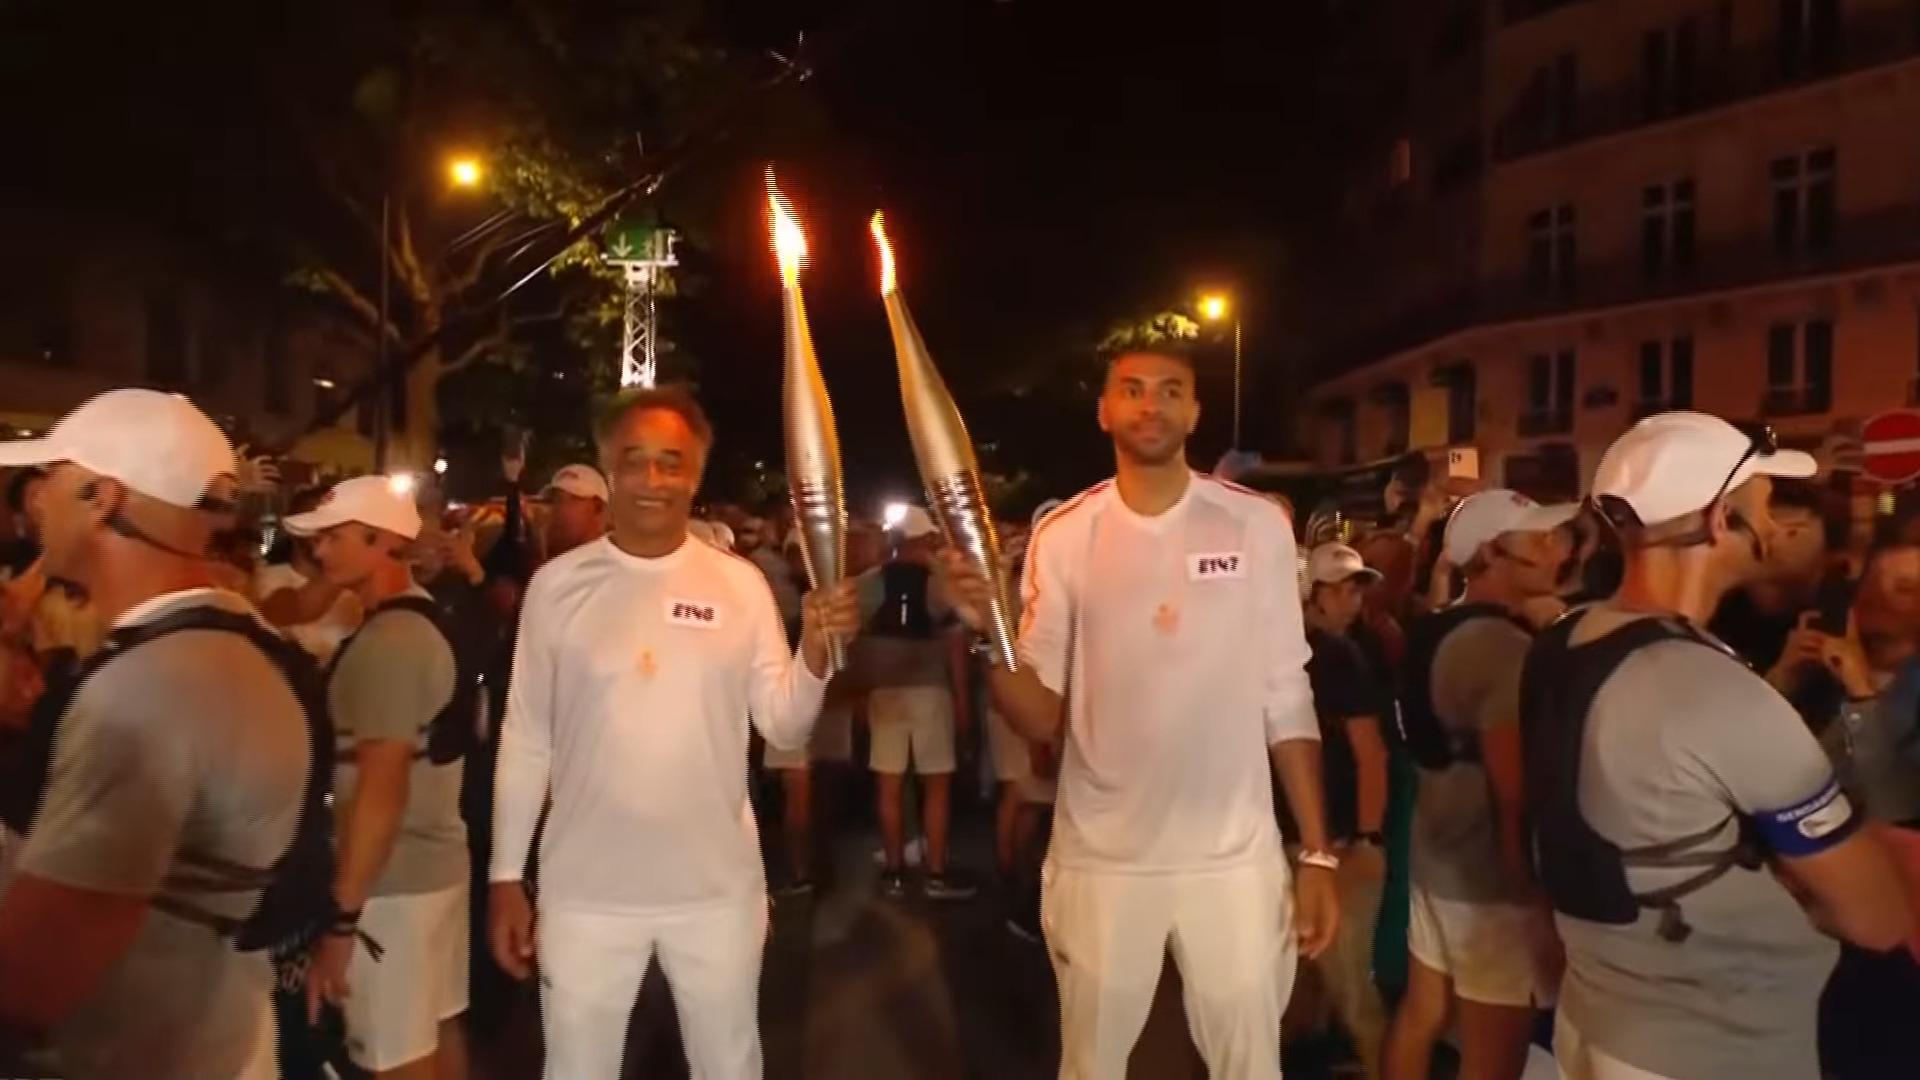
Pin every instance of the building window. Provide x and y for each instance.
(1551, 251)
(1666, 376)
(1669, 69)
(1462, 401)
(1550, 379)
(1799, 368)
(1395, 401)
(1566, 96)
(1809, 37)
(166, 340)
(1803, 202)
(1345, 441)
(1666, 229)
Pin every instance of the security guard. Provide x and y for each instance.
(1665, 779)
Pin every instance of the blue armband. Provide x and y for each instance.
(1810, 826)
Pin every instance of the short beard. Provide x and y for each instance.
(1132, 452)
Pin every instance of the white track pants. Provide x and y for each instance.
(1231, 932)
(591, 966)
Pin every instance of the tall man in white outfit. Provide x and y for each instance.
(639, 659)
(1162, 627)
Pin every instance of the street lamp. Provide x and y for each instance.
(463, 172)
(1215, 307)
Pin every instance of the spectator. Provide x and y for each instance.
(177, 776)
(1349, 701)
(1756, 618)
(912, 663)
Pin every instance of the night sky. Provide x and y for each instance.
(1046, 168)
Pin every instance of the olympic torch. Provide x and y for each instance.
(944, 453)
(813, 444)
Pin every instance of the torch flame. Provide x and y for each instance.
(886, 253)
(789, 243)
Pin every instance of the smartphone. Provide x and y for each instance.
(1833, 602)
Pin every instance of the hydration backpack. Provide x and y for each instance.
(1428, 739)
(1584, 873)
(453, 732)
(296, 899)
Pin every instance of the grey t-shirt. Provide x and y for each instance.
(391, 681)
(1683, 737)
(187, 750)
(1456, 835)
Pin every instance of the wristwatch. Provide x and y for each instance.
(1321, 860)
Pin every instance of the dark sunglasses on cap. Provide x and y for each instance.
(1762, 442)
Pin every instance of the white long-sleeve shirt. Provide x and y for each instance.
(633, 680)
(1188, 662)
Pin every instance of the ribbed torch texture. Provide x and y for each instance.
(948, 468)
(813, 443)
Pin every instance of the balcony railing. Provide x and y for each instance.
(1546, 422)
(1795, 400)
(1862, 242)
(1868, 40)
(1513, 11)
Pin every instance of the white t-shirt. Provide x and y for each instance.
(632, 683)
(1188, 663)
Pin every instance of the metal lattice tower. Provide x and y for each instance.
(645, 267)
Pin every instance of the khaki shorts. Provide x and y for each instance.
(1485, 948)
(911, 722)
(832, 740)
(395, 1005)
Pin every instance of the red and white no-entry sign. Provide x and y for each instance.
(1892, 444)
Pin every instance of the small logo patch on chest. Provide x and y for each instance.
(1216, 566)
(695, 613)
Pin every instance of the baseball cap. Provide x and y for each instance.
(155, 443)
(916, 523)
(1676, 463)
(1488, 514)
(581, 481)
(369, 500)
(1329, 563)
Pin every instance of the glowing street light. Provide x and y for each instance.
(1214, 307)
(464, 172)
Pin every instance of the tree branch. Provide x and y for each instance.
(457, 284)
(406, 260)
(343, 289)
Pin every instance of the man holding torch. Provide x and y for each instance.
(640, 657)
(1162, 629)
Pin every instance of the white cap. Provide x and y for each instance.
(1482, 517)
(1677, 463)
(1329, 563)
(157, 444)
(581, 481)
(369, 500)
(915, 523)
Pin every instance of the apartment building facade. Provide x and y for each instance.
(88, 304)
(1709, 204)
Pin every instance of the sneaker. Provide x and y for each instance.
(893, 883)
(951, 885)
(794, 889)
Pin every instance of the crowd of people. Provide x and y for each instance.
(1648, 762)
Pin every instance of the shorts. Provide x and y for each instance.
(832, 740)
(395, 1005)
(1578, 1060)
(911, 722)
(1485, 948)
(1013, 761)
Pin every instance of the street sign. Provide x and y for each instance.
(1892, 443)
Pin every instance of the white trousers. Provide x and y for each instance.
(1231, 933)
(1579, 1060)
(591, 966)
